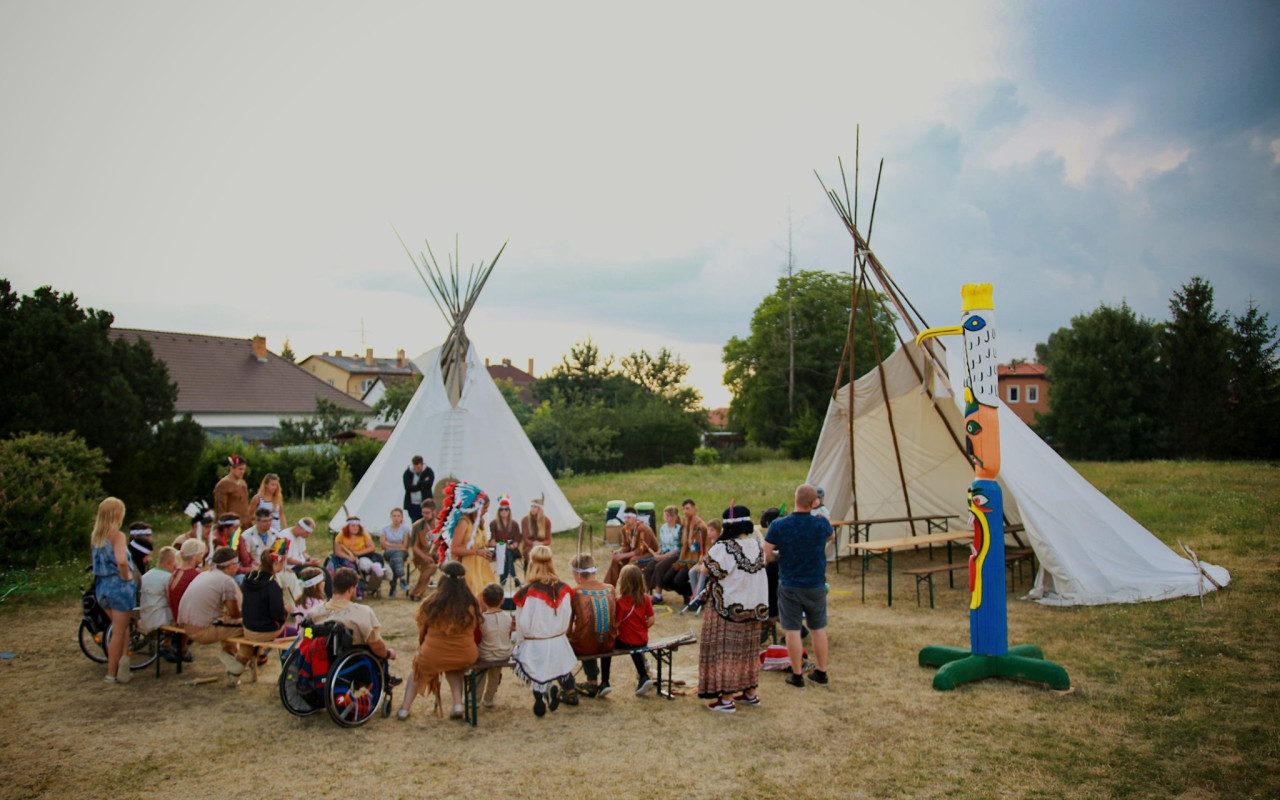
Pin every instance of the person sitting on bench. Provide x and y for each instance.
(210, 610)
(594, 628)
(447, 622)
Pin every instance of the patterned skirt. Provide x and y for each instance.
(728, 655)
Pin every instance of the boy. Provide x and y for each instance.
(496, 626)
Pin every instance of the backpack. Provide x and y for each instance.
(319, 646)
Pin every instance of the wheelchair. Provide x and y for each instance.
(323, 669)
(370, 582)
(96, 631)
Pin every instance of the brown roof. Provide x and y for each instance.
(718, 417)
(520, 379)
(221, 374)
(1021, 371)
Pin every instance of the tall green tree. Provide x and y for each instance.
(1194, 347)
(1108, 387)
(65, 374)
(1254, 404)
(329, 420)
(396, 398)
(511, 394)
(756, 367)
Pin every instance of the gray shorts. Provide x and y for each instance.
(809, 604)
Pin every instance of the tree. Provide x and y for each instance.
(287, 353)
(756, 367)
(395, 400)
(1108, 388)
(65, 374)
(662, 375)
(1194, 348)
(329, 420)
(573, 436)
(511, 394)
(49, 491)
(1254, 401)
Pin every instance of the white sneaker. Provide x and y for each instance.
(233, 665)
(123, 673)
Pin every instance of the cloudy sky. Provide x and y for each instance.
(238, 168)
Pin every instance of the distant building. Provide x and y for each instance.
(355, 375)
(1024, 389)
(523, 381)
(718, 418)
(236, 387)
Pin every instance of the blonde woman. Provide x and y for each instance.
(113, 584)
(535, 529)
(271, 496)
(544, 608)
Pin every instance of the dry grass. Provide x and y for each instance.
(1170, 700)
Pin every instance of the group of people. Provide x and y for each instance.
(256, 582)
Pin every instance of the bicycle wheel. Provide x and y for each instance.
(143, 648)
(93, 645)
(356, 685)
(297, 700)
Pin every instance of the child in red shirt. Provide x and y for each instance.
(635, 618)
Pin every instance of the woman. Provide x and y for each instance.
(113, 584)
(353, 546)
(447, 622)
(660, 571)
(535, 529)
(271, 496)
(544, 608)
(729, 650)
(264, 609)
(395, 549)
(463, 528)
(506, 531)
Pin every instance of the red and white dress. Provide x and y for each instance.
(543, 655)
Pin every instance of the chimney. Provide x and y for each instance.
(260, 348)
(337, 354)
(400, 359)
(486, 362)
(506, 362)
(530, 366)
(368, 356)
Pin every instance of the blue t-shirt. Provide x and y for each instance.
(801, 540)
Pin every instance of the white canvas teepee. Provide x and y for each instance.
(478, 440)
(457, 421)
(1090, 551)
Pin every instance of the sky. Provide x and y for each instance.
(244, 168)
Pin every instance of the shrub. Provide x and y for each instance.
(755, 453)
(50, 485)
(706, 455)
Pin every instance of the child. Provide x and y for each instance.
(153, 600)
(635, 618)
(140, 546)
(655, 574)
(312, 593)
(496, 627)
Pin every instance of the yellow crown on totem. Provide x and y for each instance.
(976, 295)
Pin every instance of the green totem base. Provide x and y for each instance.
(1024, 662)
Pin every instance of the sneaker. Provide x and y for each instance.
(402, 715)
(657, 597)
(456, 713)
(110, 679)
(747, 699)
(819, 677)
(604, 689)
(643, 685)
(232, 681)
(404, 584)
(391, 593)
(392, 680)
(232, 664)
(569, 698)
(487, 703)
(795, 680)
(554, 694)
(188, 657)
(589, 689)
(723, 705)
(539, 704)
(123, 673)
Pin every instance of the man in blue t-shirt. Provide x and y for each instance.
(799, 543)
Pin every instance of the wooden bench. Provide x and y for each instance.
(663, 651)
(181, 634)
(927, 573)
(278, 645)
(884, 548)
(1014, 559)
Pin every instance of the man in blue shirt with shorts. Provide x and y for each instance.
(799, 543)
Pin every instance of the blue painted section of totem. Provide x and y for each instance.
(988, 618)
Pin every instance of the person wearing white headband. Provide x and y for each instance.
(595, 624)
(639, 543)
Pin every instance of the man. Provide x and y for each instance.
(210, 610)
(693, 545)
(231, 494)
(356, 617)
(420, 544)
(418, 483)
(256, 539)
(296, 558)
(799, 542)
(639, 543)
(594, 628)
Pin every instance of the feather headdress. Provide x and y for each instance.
(459, 499)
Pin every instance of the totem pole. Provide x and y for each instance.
(989, 654)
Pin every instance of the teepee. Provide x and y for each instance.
(892, 446)
(457, 421)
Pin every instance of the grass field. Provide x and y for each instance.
(1170, 699)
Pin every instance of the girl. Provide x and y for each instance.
(395, 549)
(506, 531)
(447, 622)
(635, 618)
(312, 593)
(659, 571)
(729, 649)
(535, 529)
(263, 609)
(469, 541)
(544, 608)
(354, 548)
(113, 583)
(271, 496)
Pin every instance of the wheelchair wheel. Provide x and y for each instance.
(143, 648)
(297, 701)
(356, 685)
(93, 645)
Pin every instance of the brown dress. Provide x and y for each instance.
(443, 646)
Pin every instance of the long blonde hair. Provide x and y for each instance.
(631, 584)
(110, 518)
(277, 497)
(542, 568)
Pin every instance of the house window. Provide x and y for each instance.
(1013, 394)
(364, 386)
(1033, 394)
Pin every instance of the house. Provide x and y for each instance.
(236, 387)
(355, 375)
(522, 381)
(1024, 389)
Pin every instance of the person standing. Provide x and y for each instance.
(799, 543)
(231, 494)
(270, 496)
(113, 583)
(419, 480)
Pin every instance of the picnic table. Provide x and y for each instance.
(935, 523)
(883, 550)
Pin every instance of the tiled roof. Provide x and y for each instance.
(1021, 371)
(510, 373)
(718, 417)
(356, 365)
(219, 374)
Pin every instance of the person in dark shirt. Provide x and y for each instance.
(799, 543)
(419, 480)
